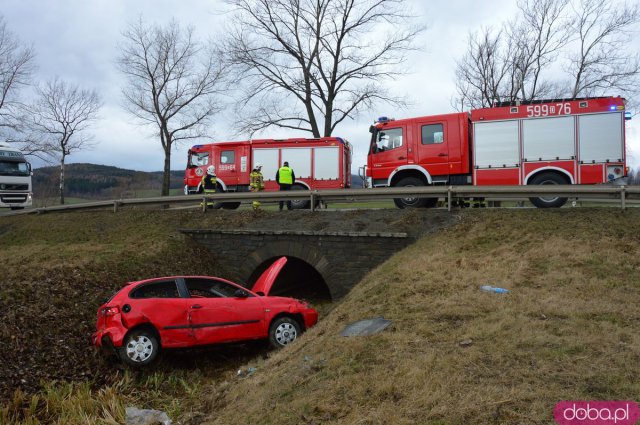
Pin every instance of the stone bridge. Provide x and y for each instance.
(321, 265)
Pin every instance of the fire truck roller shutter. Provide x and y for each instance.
(601, 137)
(269, 160)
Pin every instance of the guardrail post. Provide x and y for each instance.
(115, 206)
(623, 198)
(204, 204)
(449, 198)
(313, 201)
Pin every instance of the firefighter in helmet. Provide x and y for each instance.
(209, 183)
(256, 182)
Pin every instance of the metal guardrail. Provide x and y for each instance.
(618, 194)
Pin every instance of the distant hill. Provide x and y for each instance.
(91, 181)
(356, 181)
(100, 181)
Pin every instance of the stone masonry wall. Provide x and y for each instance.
(342, 258)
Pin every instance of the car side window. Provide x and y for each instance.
(209, 288)
(163, 289)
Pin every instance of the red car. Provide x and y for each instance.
(184, 311)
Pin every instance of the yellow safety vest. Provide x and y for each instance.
(285, 175)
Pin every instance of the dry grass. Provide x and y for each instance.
(568, 330)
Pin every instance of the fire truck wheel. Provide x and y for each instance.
(299, 204)
(412, 202)
(550, 202)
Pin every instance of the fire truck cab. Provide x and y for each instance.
(577, 141)
(323, 163)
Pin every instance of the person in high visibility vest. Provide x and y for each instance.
(209, 183)
(256, 183)
(285, 178)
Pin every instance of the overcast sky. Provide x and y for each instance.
(77, 40)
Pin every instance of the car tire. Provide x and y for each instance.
(139, 348)
(283, 331)
(230, 205)
(299, 204)
(548, 178)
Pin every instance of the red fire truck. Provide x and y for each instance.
(577, 141)
(323, 163)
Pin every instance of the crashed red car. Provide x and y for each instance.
(185, 311)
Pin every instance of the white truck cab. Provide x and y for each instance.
(16, 190)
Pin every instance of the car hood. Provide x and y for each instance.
(265, 281)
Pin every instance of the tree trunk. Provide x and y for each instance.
(166, 178)
(62, 180)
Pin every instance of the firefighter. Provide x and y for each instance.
(256, 183)
(209, 183)
(285, 178)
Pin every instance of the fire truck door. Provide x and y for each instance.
(432, 147)
(228, 165)
(389, 151)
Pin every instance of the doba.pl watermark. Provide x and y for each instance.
(596, 413)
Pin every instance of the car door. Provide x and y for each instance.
(218, 314)
(159, 302)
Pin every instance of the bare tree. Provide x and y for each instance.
(173, 83)
(310, 64)
(601, 60)
(539, 34)
(60, 117)
(482, 76)
(587, 39)
(16, 68)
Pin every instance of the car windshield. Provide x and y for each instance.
(14, 168)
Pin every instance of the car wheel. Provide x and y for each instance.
(139, 348)
(299, 204)
(230, 205)
(283, 331)
(552, 201)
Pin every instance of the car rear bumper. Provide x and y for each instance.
(108, 338)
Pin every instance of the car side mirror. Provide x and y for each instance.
(240, 294)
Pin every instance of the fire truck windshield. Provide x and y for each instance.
(198, 159)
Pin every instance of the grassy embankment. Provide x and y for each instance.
(56, 270)
(568, 330)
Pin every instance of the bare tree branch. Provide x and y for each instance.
(589, 39)
(16, 69)
(59, 119)
(174, 83)
(310, 64)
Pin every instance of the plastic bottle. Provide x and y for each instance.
(489, 288)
